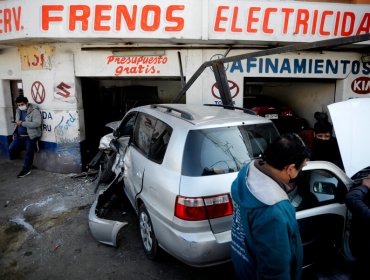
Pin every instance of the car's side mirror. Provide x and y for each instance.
(324, 188)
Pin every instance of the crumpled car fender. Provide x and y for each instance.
(104, 231)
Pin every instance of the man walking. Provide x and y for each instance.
(28, 130)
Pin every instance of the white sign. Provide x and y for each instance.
(286, 20)
(183, 20)
(106, 63)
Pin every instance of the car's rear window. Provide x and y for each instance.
(224, 149)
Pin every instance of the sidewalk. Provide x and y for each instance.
(40, 215)
(44, 234)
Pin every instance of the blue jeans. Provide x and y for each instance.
(23, 143)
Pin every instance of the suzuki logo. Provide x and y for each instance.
(361, 85)
(64, 90)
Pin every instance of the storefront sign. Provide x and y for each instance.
(292, 21)
(127, 64)
(147, 18)
(296, 66)
(137, 65)
(183, 20)
(327, 65)
(10, 19)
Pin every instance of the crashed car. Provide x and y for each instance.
(175, 163)
(180, 187)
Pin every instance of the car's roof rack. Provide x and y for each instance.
(183, 114)
(245, 110)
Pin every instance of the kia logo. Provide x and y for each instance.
(361, 85)
(234, 90)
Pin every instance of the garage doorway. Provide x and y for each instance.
(108, 99)
(304, 96)
(16, 89)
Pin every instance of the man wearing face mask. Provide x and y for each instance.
(266, 242)
(325, 145)
(27, 132)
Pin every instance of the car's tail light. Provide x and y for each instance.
(287, 113)
(203, 208)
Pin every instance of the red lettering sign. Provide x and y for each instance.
(148, 18)
(256, 19)
(137, 64)
(10, 20)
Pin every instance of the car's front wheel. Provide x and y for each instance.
(148, 238)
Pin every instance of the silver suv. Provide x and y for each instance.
(177, 163)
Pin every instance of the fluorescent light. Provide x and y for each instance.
(139, 52)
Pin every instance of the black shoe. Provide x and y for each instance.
(23, 174)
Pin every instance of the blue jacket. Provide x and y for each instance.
(358, 202)
(266, 242)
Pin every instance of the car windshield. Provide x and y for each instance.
(224, 149)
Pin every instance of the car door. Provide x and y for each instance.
(321, 212)
(136, 156)
(145, 172)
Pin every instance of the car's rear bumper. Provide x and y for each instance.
(197, 248)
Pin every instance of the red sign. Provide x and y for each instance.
(63, 90)
(361, 85)
(38, 92)
(234, 90)
(147, 18)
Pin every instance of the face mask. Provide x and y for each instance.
(322, 145)
(22, 108)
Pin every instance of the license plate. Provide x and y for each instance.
(271, 116)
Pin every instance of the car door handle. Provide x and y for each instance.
(139, 174)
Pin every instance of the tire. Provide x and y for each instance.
(148, 239)
(107, 175)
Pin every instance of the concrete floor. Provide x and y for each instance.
(44, 234)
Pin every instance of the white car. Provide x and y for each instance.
(176, 164)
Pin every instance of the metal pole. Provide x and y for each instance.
(222, 83)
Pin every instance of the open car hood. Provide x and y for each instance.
(351, 124)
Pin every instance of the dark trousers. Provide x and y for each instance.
(23, 143)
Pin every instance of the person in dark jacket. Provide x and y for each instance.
(28, 130)
(325, 145)
(358, 202)
(266, 242)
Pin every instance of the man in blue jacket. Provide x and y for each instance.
(28, 130)
(358, 202)
(266, 242)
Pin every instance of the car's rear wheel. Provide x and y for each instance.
(148, 239)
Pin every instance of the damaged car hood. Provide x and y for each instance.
(350, 120)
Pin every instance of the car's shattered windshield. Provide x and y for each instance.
(224, 149)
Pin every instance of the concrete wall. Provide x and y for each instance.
(47, 73)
